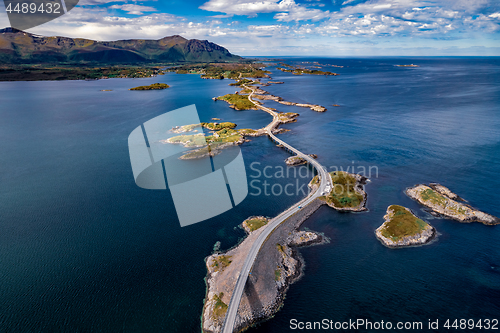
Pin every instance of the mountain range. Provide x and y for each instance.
(19, 47)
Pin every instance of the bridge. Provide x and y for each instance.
(324, 187)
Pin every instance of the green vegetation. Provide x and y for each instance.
(218, 126)
(213, 76)
(402, 224)
(154, 86)
(255, 224)
(241, 82)
(280, 248)
(238, 102)
(343, 194)
(220, 307)
(225, 135)
(221, 262)
(433, 197)
(436, 198)
(277, 275)
(232, 71)
(71, 72)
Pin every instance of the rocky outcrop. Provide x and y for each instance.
(445, 191)
(296, 160)
(445, 206)
(317, 108)
(424, 236)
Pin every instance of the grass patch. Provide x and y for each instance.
(433, 197)
(220, 307)
(402, 224)
(280, 248)
(221, 262)
(239, 102)
(277, 275)
(343, 194)
(154, 86)
(218, 126)
(225, 135)
(255, 224)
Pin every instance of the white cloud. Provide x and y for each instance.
(287, 10)
(495, 15)
(134, 9)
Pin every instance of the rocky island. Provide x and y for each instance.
(402, 228)
(439, 200)
(347, 192)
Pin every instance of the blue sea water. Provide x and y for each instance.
(83, 249)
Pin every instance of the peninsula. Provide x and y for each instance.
(441, 201)
(402, 228)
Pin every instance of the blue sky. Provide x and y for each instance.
(295, 27)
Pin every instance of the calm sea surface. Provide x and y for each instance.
(83, 249)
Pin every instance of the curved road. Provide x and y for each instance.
(325, 185)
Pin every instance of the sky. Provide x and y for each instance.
(333, 28)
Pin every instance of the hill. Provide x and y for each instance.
(19, 47)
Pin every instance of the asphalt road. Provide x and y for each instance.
(325, 185)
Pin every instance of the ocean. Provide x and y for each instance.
(83, 249)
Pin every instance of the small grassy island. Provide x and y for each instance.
(237, 101)
(441, 201)
(347, 192)
(154, 86)
(402, 228)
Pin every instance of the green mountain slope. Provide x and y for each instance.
(19, 47)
